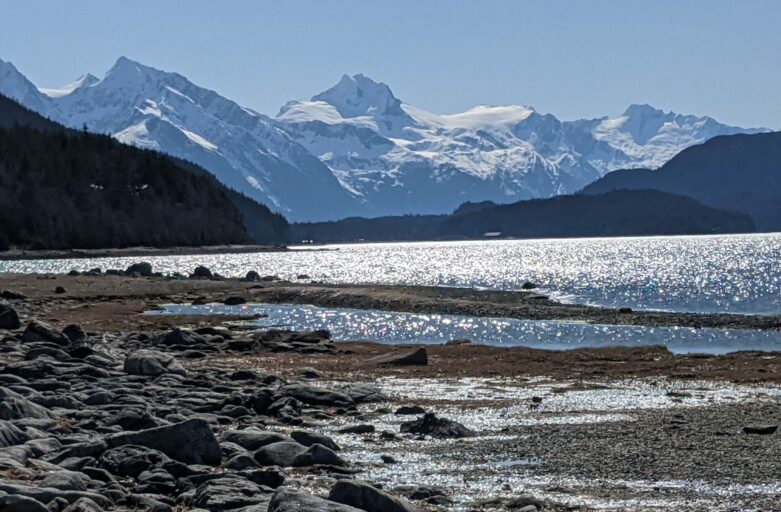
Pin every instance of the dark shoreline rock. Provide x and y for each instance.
(431, 425)
(417, 357)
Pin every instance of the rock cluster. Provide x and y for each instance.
(91, 424)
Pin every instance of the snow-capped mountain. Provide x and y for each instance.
(401, 159)
(164, 111)
(356, 149)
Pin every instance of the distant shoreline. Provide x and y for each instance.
(19, 254)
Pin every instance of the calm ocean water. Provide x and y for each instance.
(736, 273)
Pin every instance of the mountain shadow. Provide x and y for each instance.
(740, 173)
(617, 213)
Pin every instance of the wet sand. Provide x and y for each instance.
(133, 295)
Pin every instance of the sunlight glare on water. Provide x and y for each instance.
(400, 328)
(731, 273)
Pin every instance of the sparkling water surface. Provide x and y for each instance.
(408, 328)
(732, 273)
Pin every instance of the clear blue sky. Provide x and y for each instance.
(571, 58)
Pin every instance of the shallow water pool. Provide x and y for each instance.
(400, 328)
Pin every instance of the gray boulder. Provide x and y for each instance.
(253, 439)
(183, 337)
(312, 395)
(66, 480)
(418, 357)
(9, 318)
(317, 454)
(75, 333)
(201, 271)
(364, 393)
(143, 269)
(40, 331)
(152, 363)
(241, 462)
(131, 461)
(228, 492)
(310, 438)
(191, 441)
(16, 503)
(11, 435)
(287, 500)
(83, 505)
(282, 454)
(364, 496)
(430, 424)
(14, 407)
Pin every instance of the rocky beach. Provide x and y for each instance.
(105, 407)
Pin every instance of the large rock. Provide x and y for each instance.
(317, 454)
(9, 319)
(364, 393)
(253, 439)
(152, 363)
(40, 331)
(228, 492)
(143, 269)
(14, 406)
(287, 500)
(310, 438)
(16, 503)
(190, 441)
(201, 271)
(11, 435)
(364, 496)
(75, 333)
(66, 480)
(312, 395)
(417, 357)
(430, 424)
(47, 494)
(281, 454)
(130, 460)
(183, 337)
(83, 505)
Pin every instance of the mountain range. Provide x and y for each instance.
(356, 149)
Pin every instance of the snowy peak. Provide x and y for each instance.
(359, 95)
(87, 80)
(17, 87)
(644, 110)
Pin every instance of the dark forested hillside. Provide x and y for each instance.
(620, 213)
(738, 173)
(66, 189)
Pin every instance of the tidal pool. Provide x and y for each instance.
(408, 328)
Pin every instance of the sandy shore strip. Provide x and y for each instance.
(19, 254)
(104, 301)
